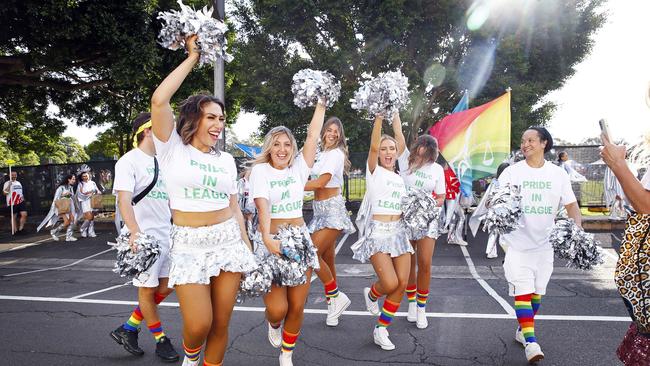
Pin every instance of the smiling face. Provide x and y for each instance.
(331, 136)
(281, 151)
(71, 180)
(531, 144)
(387, 153)
(211, 124)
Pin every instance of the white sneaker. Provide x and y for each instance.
(372, 306)
(411, 316)
(72, 238)
(380, 334)
(285, 358)
(84, 234)
(519, 337)
(421, 321)
(492, 256)
(92, 235)
(188, 362)
(53, 234)
(335, 308)
(534, 352)
(275, 336)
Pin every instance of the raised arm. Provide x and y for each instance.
(162, 115)
(399, 135)
(375, 140)
(636, 194)
(309, 149)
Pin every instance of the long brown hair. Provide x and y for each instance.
(341, 143)
(189, 116)
(430, 144)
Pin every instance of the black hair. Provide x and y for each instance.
(544, 135)
(141, 119)
(559, 156)
(66, 178)
(501, 168)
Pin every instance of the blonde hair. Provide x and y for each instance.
(270, 138)
(391, 138)
(341, 143)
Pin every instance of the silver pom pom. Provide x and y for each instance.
(130, 264)
(180, 24)
(578, 247)
(503, 210)
(385, 94)
(311, 85)
(256, 283)
(420, 214)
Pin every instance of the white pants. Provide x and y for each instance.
(159, 269)
(528, 272)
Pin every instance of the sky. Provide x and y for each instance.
(610, 83)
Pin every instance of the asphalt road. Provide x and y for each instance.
(59, 301)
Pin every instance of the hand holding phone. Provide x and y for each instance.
(604, 128)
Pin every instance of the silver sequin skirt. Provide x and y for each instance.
(332, 214)
(383, 237)
(286, 272)
(203, 252)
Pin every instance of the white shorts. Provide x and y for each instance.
(528, 272)
(159, 269)
(85, 206)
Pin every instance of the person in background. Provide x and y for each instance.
(86, 188)
(14, 192)
(64, 191)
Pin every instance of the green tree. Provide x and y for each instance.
(530, 48)
(105, 147)
(97, 61)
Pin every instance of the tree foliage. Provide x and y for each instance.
(531, 48)
(97, 61)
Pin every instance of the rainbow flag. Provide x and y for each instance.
(476, 140)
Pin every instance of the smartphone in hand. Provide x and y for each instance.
(604, 128)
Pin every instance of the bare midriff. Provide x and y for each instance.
(323, 194)
(386, 218)
(276, 223)
(198, 219)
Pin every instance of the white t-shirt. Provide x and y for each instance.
(543, 190)
(196, 181)
(332, 162)
(430, 177)
(387, 189)
(133, 173)
(283, 189)
(15, 195)
(86, 190)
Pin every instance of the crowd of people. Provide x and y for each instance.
(177, 186)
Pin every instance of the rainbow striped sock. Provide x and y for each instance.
(331, 290)
(410, 292)
(387, 313)
(373, 295)
(192, 354)
(158, 298)
(536, 302)
(134, 321)
(422, 298)
(157, 331)
(288, 341)
(525, 316)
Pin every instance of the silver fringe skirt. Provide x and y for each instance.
(332, 214)
(383, 237)
(203, 252)
(285, 271)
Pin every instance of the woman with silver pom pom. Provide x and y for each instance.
(277, 180)
(208, 238)
(382, 234)
(420, 172)
(528, 263)
(330, 215)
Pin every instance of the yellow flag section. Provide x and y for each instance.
(477, 140)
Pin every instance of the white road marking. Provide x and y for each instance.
(257, 309)
(26, 245)
(60, 267)
(608, 252)
(100, 291)
(504, 304)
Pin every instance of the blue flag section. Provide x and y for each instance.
(249, 150)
